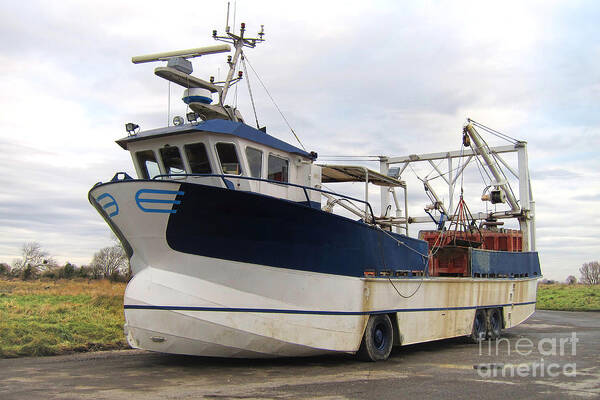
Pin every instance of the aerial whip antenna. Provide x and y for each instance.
(227, 22)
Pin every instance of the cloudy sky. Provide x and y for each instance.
(353, 78)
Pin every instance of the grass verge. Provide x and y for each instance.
(568, 297)
(40, 318)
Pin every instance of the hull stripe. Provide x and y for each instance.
(312, 312)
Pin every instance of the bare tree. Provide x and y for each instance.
(571, 280)
(33, 256)
(109, 261)
(590, 273)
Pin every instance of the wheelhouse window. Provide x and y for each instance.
(278, 169)
(172, 161)
(254, 157)
(148, 164)
(228, 157)
(198, 158)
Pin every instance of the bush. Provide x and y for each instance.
(67, 272)
(4, 269)
(28, 273)
(83, 272)
(116, 276)
(50, 274)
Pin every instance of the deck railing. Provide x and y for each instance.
(228, 184)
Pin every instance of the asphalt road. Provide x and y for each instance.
(442, 369)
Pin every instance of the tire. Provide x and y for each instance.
(378, 339)
(479, 330)
(494, 323)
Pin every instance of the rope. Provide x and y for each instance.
(275, 104)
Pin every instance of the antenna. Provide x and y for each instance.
(234, 13)
(238, 41)
(189, 53)
(227, 22)
(179, 69)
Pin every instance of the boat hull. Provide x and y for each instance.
(245, 303)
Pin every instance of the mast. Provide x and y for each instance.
(239, 42)
(198, 92)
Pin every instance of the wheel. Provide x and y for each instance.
(494, 323)
(479, 327)
(378, 339)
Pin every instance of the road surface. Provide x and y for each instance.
(443, 369)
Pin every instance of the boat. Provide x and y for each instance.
(238, 248)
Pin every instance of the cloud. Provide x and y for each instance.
(587, 197)
(555, 173)
(352, 78)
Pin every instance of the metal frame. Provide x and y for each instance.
(521, 208)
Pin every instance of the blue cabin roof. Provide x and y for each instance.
(226, 127)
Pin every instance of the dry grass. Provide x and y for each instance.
(63, 287)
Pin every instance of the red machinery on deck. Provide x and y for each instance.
(448, 258)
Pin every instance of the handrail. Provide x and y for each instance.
(304, 188)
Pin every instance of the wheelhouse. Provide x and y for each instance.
(203, 152)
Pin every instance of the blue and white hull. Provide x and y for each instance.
(226, 273)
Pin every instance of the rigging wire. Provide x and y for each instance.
(249, 89)
(416, 289)
(347, 159)
(333, 158)
(425, 257)
(434, 169)
(495, 158)
(440, 239)
(275, 104)
(481, 167)
(495, 132)
(506, 179)
(187, 105)
(169, 106)
(445, 173)
(504, 175)
(347, 155)
(235, 100)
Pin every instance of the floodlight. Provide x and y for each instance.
(394, 172)
(192, 117)
(130, 127)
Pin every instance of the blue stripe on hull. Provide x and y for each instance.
(263, 230)
(314, 312)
